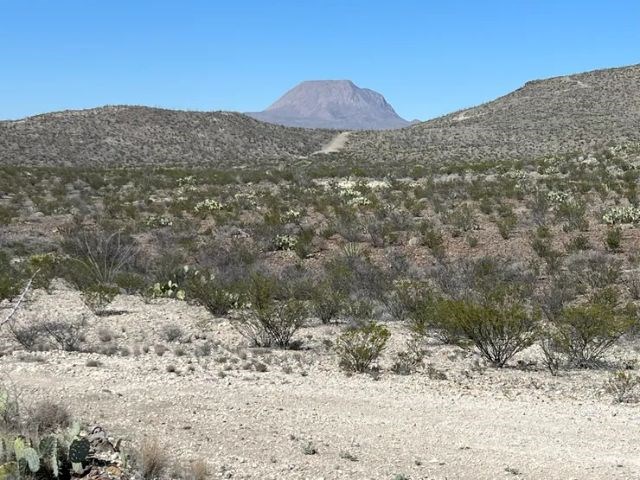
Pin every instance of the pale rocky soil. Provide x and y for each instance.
(478, 423)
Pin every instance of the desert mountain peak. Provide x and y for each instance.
(338, 104)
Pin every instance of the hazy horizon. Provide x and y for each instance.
(427, 60)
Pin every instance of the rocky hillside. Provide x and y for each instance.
(579, 112)
(575, 113)
(125, 135)
(338, 104)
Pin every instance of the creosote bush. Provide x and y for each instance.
(613, 239)
(498, 329)
(586, 332)
(552, 356)
(272, 324)
(98, 297)
(326, 303)
(359, 347)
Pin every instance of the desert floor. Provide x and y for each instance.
(477, 423)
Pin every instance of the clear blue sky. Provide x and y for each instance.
(426, 57)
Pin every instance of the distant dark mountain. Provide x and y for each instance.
(337, 104)
(126, 135)
(574, 113)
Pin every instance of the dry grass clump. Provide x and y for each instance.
(151, 460)
(623, 386)
(197, 470)
(48, 416)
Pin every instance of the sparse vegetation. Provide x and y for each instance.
(359, 347)
(622, 386)
(274, 323)
(498, 329)
(586, 332)
(517, 247)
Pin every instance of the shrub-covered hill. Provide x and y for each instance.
(127, 135)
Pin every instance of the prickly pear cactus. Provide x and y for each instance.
(18, 447)
(77, 468)
(78, 453)
(49, 453)
(79, 450)
(31, 458)
(73, 431)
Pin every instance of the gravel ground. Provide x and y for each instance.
(477, 423)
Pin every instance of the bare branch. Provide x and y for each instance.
(20, 300)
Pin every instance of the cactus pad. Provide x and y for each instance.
(31, 457)
(79, 450)
(49, 452)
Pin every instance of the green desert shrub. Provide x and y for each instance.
(595, 270)
(377, 229)
(357, 348)
(404, 299)
(272, 324)
(462, 219)
(472, 241)
(11, 281)
(579, 243)
(131, 282)
(507, 221)
(261, 290)
(358, 310)
(441, 325)
(232, 262)
(586, 332)
(43, 268)
(304, 243)
(209, 292)
(326, 303)
(498, 328)
(543, 247)
(560, 290)
(572, 214)
(552, 356)
(613, 239)
(539, 205)
(425, 317)
(7, 213)
(98, 296)
(480, 278)
(433, 239)
(356, 275)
